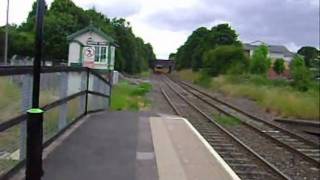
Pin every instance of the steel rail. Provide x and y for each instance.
(238, 141)
(249, 115)
(256, 129)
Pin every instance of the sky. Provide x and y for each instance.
(166, 24)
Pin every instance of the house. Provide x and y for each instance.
(90, 47)
(275, 51)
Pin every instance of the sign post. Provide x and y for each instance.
(35, 115)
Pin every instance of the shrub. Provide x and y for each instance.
(225, 58)
(260, 63)
(278, 66)
(300, 74)
(204, 80)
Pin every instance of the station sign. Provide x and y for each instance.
(93, 43)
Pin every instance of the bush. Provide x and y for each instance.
(204, 80)
(225, 59)
(278, 66)
(260, 63)
(300, 74)
(142, 89)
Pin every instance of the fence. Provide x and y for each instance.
(66, 95)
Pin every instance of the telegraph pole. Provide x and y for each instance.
(6, 36)
(34, 169)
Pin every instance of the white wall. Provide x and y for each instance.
(74, 53)
(95, 37)
(276, 55)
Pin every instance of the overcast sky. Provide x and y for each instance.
(167, 23)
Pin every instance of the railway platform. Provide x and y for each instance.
(134, 146)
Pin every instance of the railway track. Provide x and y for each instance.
(243, 160)
(307, 149)
(288, 147)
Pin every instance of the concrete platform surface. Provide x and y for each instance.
(108, 145)
(135, 146)
(183, 154)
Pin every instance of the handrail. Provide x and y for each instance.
(22, 117)
(17, 70)
(92, 71)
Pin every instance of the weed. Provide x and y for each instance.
(227, 120)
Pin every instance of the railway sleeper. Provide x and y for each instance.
(238, 160)
(221, 148)
(253, 175)
(310, 150)
(216, 141)
(224, 145)
(243, 167)
(231, 154)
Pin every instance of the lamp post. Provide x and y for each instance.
(6, 36)
(34, 169)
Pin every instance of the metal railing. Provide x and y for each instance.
(66, 95)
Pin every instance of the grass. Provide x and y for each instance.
(276, 96)
(10, 99)
(145, 74)
(127, 96)
(10, 103)
(227, 120)
(6, 164)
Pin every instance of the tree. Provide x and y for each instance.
(223, 34)
(278, 66)
(224, 59)
(190, 54)
(260, 63)
(315, 67)
(300, 73)
(64, 18)
(172, 56)
(186, 54)
(309, 53)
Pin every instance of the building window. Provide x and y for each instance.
(100, 54)
(103, 53)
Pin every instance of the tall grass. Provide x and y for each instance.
(127, 96)
(276, 96)
(188, 75)
(10, 98)
(145, 74)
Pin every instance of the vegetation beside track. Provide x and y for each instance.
(226, 120)
(145, 74)
(276, 96)
(126, 96)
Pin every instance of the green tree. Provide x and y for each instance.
(278, 66)
(172, 56)
(315, 67)
(309, 53)
(64, 18)
(223, 34)
(190, 54)
(260, 63)
(225, 59)
(300, 73)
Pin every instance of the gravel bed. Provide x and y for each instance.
(253, 108)
(287, 162)
(204, 126)
(158, 102)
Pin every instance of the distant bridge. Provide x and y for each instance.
(164, 63)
